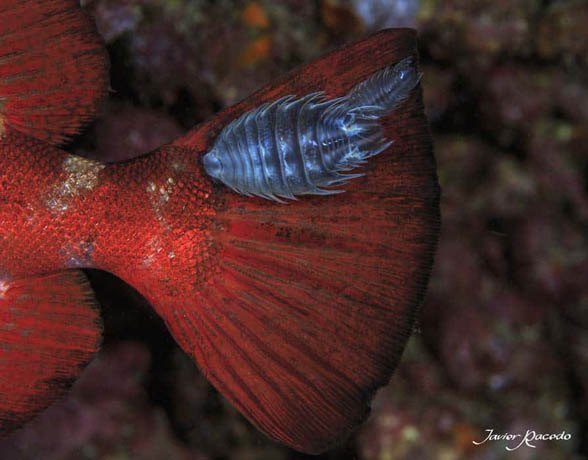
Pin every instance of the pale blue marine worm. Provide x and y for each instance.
(305, 146)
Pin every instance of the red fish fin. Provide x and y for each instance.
(313, 301)
(49, 329)
(53, 68)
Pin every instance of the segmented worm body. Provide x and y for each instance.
(298, 146)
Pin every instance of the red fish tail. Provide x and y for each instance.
(305, 308)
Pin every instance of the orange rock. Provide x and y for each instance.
(463, 435)
(256, 50)
(253, 15)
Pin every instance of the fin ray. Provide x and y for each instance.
(53, 69)
(49, 329)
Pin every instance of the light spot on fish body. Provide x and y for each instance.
(4, 286)
(82, 175)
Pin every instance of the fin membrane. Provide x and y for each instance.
(49, 330)
(313, 302)
(53, 68)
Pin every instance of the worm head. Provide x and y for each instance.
(213, 164)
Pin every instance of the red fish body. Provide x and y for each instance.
(297, 313)
(130, 219)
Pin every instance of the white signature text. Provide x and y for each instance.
(529, 439)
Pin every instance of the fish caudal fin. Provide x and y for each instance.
(312, 302)
(49, 330)
(53, 68)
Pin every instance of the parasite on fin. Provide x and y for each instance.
(305, 146)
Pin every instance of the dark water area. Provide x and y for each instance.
(501, 342)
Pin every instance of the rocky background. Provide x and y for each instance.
(502, 342)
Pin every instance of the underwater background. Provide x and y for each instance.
(501, 343)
